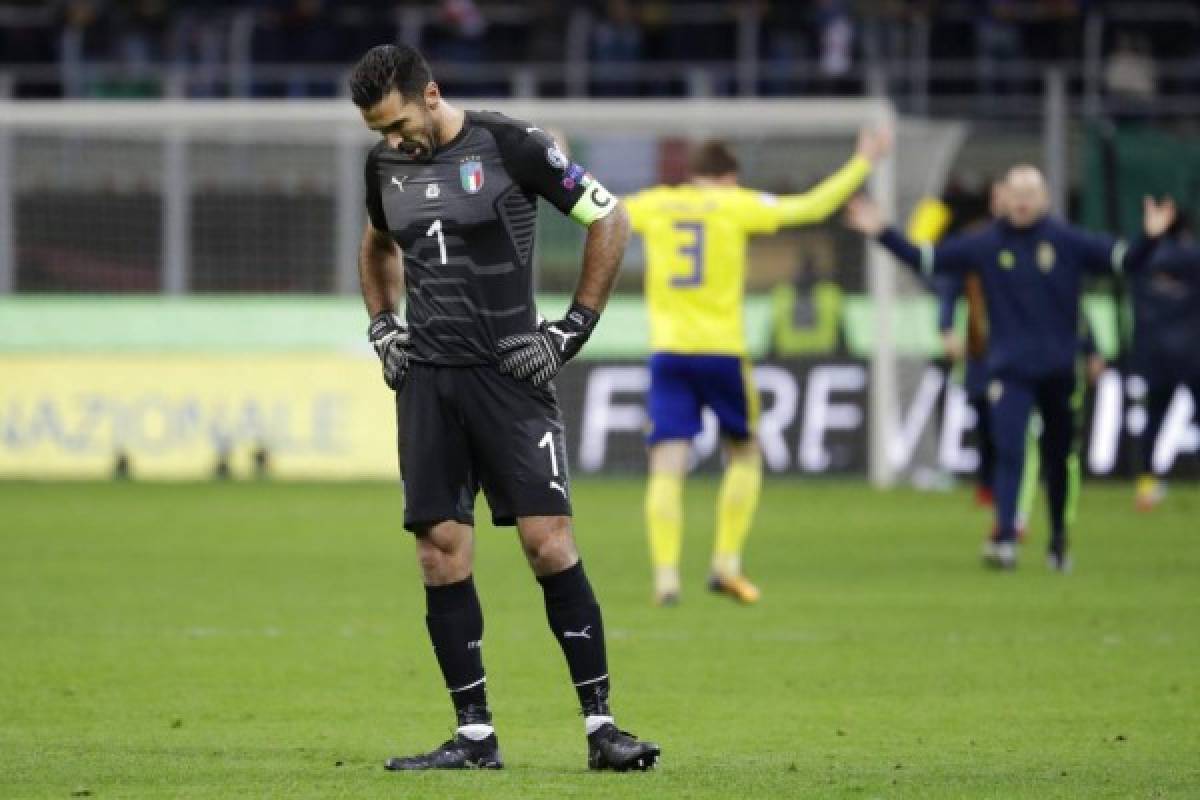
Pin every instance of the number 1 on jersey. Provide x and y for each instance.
(694, 252)
(436, 230)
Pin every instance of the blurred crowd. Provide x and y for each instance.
(91, 47)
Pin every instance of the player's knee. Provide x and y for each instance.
(742, 480)
(551, 551)
(432, 562)
(669, 457)
(743, 451)
(443, 559)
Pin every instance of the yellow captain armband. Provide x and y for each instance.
(594, 204)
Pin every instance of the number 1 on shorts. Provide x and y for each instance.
(548, 441)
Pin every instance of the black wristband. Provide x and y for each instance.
(583, 317)
(381, 323)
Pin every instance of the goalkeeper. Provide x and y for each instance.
(695, 239)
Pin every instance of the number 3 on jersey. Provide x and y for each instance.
(693, 251)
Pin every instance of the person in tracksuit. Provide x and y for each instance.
(1032, 267)
(1166, 332)
(972, 352)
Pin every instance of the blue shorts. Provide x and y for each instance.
(682, 386)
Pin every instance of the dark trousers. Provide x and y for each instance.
(1012, 401)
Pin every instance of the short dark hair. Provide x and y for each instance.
(712, 159)
(386, 68)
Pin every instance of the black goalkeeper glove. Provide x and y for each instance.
(537, 357)
(390, 339)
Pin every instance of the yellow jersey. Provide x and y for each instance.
(695, 240)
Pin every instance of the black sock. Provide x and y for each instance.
(455, 623)
(575, 619)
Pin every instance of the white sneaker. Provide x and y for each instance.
(1000, 555)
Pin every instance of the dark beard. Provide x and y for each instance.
(418, 151)
(415, 150)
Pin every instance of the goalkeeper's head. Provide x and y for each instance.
(394, 89)
(712, 163)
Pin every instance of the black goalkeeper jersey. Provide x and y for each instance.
(465, 221)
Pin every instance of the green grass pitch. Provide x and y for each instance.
(216, 641)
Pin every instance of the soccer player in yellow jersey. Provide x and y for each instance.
(695, 238)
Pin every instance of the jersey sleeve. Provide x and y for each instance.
(1102, 254)
(1098, 253)
(374, 200)
(537, 164)
(815, 205)
(953, 256)
(755, 212)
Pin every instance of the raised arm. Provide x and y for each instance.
(1104, 254)
(1157, 218)
(953, 256)
(817, 204)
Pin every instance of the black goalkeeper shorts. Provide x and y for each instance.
(466, 428)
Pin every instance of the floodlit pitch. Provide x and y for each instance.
(221, 640)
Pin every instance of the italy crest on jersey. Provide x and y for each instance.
(471, 173)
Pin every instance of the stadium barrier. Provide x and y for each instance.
(328, 416)
(814, 422)
(312, 415)
(190, 388)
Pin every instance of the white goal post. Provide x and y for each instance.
(170, 126)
